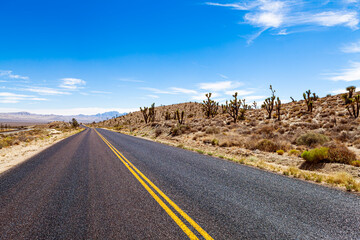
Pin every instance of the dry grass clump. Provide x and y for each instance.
(212, 130)
(341, 154)
(267, 145)
(311, 139)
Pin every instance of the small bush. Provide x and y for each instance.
(355, 163)
(267, 145)
(341, 154)
(158, 132)
(212, 130)
(315, 155)
(311, 139)
(215, 142)
(280, 152)
(294, 152)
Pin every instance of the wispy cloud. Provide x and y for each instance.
(130, 80)
(153, 96)
(348, 74)
(158, 91)
(72, 83)
(201, 96)
(351, 47)
(100, 92)
(251, 98)
(8, 97)
(183, 90)
(44, 91)
(9, 74)
(240, 92)
(219, 86)
(278, 15)
(338, 91)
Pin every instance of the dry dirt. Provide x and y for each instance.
(16, 154)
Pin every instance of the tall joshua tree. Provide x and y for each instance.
(210, 107)
(269, 103)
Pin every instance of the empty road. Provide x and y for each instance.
(99, 184)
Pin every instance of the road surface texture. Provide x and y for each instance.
(83, 188)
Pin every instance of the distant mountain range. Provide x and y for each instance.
(40, 118)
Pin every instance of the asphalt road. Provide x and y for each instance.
(83, 188)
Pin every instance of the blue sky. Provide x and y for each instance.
(70, 57)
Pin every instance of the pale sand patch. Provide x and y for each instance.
(14, 155)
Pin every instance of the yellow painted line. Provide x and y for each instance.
(177, 208)
(177, 220)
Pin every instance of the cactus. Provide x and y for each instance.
(148, 113)
(269, 103)
(352, 103)
(254, 104)
(278, 108)
(233, 107)
(145, 114)
(167, 115)
(180, 117)
(349, 95)
(310, 99)
(152, 113)
(243, 110)
(210, 107)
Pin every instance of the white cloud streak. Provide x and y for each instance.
(72, 83)
(351, 47)
(219, 86)
(9, 74)
(7, 97)
(348, 74)
(282, 14)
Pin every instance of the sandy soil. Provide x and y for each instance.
(14, 155)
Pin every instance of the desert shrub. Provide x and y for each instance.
(266, 131)
(311, 139)
(175, 131)
(280, 152)
(341, 154)
(355, 163)
(212, 130)
(294, 152)
(158, 132)
(315, 155)
(267, 145)
(215, 142)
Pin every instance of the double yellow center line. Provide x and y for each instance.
(146, 183)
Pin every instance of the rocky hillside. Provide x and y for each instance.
(282, 141)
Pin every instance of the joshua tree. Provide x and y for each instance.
(349, 95)
(278, 108)
(145, 113)
(224, 107)
(269, 103)
(233, 107)
(310, 99)
(292, 99)
(210, 107)
(180, 117)
(243, 110)
(352, 102)
(167, 115)
(152, 113)
(254, 104)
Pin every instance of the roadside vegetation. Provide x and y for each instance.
(35, 133)
(320, 137)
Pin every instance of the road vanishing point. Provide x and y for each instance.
(99, 184)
